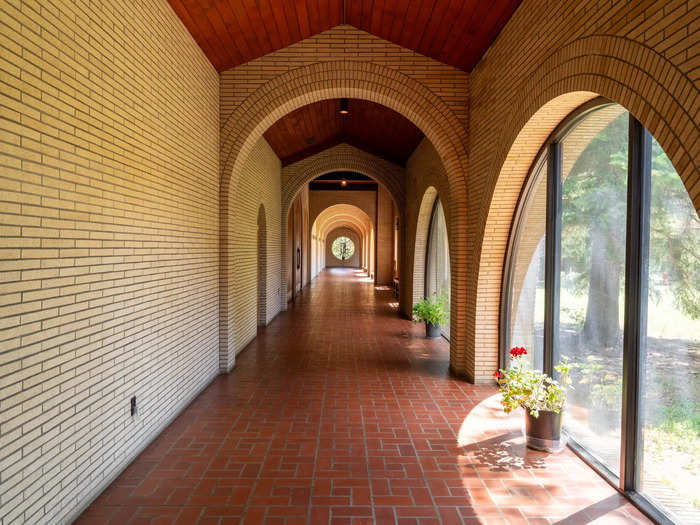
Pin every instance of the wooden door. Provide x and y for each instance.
(298, 247)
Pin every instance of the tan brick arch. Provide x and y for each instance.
(342, 157)
(339, 224)
(344, 216)
(421, 244)
(346, 213)
(623, 71)
(368, 81)
(320, 81)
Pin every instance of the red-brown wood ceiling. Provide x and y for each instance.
(318, 126)
(456, 32)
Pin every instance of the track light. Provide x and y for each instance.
(344, 110)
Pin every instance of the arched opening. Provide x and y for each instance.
(345, 220)
(404, 95)
(262, 267)
(437, 260)
(600, 270)
(320, 185)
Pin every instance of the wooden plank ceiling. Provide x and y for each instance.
(318, 126)
(456, 32)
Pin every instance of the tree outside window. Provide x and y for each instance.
(343, 248)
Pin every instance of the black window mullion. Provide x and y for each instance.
(636, 283)
(552, 258)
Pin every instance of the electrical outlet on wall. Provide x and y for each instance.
(133, 406)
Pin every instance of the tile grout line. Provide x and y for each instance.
(318, 448)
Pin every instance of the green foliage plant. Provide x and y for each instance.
(533, 390)
(431, 310)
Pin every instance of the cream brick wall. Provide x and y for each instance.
(259, 185)
(109, 242)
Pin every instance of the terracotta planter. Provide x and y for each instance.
(544, 432)
(432, 331)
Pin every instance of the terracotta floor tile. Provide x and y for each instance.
(342, 412)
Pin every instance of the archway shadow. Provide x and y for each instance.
(594, 511)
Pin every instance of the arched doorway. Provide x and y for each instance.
(351, 79)
(387, 204)
(345, 220)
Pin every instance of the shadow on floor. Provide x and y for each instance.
(501, 454)
(594, 511)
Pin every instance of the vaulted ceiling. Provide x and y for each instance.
(456, 32)
(318, 126)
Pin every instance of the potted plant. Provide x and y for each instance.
(542, 397)
(433, 312)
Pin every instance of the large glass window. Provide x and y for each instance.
(591, 295)
(437, 266)
(671, 385)
(604, 268)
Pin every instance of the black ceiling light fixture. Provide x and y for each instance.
(344, 109)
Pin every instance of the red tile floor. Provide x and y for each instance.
(341, 412)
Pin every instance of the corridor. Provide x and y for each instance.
(341, 412)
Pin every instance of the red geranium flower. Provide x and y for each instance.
(517, 351)
(497, 375)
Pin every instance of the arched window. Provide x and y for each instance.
(524, 324)
(603, 268)
(437, 264)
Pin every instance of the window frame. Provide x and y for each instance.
(635, 297)
(537, 170)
